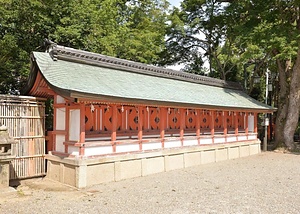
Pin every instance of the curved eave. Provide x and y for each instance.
(37, 85)
(32, 76)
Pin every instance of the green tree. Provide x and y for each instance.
(241, 37)
(132, 30)
(23, 24)
(271, 28)
(196, 32)
(129, 29)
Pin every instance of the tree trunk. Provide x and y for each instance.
(282, 104)
(293, 106)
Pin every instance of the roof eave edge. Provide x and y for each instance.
(121, 100)
(32, 76)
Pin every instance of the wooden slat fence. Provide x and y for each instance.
(25, 120)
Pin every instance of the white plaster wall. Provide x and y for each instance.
(250, 123)
(242, 138)
(59, 140)
(252, 137)
(172, 144)
(219, 140)
(127, 147)
(98, 150)
(73, 150)
(205, 140)
(231, 139)
(152, 145)
(190, 142)
(60, 99)
(60, 118)
(74, 126)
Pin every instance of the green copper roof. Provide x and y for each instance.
(81, 79)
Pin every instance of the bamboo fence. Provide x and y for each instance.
(25, 119)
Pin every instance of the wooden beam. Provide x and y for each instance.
(198, 125)
(114, 127)
(224, 116)
(46, 90)
(146, 118)
(123, 113)
(236, 124)
(140, 127)
(182, 124)
(212, 124)
(163, 122)
(82, 128)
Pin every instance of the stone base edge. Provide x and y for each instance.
(82, 172)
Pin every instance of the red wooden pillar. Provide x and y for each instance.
(163, 122)
(225, 115)
(114, 127)
(198, 125)
(212, 125)
(182, 125)
(82, 128)
(246, 124)
(255, 123)
(236, 124)
(140, 128)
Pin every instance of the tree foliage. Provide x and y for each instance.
(268, 32)
(198, 32)
(21, 24)
(242, 39)
(129, 29)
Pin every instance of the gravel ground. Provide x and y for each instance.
(264, 183)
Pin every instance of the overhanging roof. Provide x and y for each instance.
(81, 74)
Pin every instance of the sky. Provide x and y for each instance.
(175, 3)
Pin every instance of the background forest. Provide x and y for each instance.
(228, 39)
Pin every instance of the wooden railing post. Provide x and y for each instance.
(114, 127)
(163, 118)
(182, 125)
(198, 125)
(212, 125)
(140, 127)
(225, 115)
(236, 125)
(82, 128)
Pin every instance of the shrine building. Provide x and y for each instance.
(116, 119)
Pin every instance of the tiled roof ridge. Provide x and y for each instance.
(58, 52)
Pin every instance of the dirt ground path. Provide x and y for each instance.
(264, 183)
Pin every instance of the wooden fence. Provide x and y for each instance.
(25, 119)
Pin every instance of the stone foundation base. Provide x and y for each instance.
(90, 171)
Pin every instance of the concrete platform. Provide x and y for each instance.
(85, 172)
